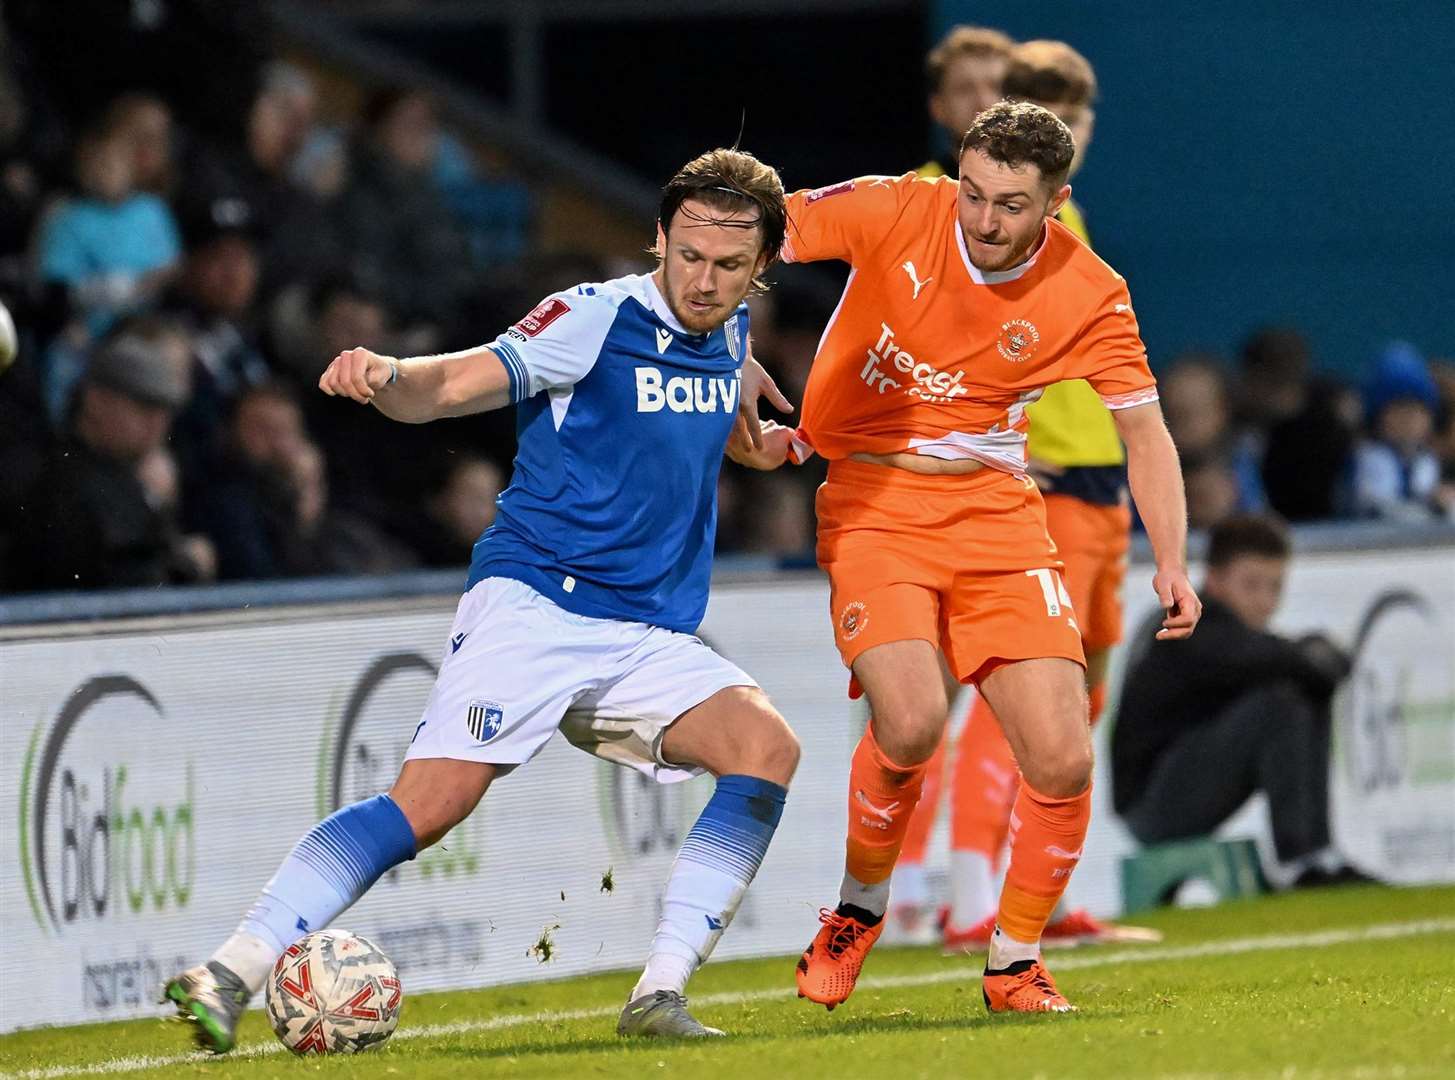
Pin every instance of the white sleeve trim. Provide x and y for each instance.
(1129, 401)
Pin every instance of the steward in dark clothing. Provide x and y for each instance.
(1177, 686)
(1205, 723)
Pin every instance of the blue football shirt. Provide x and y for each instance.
(622, 418)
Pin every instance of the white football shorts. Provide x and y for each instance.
(517, 668)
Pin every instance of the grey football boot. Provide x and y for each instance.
(213, 998)
(662, 1014)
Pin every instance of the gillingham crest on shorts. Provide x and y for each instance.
(484, 718)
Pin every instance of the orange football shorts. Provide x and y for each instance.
(1093, 542)
(963, 562)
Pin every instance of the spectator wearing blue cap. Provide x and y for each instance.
(1396, 473)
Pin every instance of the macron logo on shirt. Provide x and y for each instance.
(698, 394)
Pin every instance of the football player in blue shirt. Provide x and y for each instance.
(584, 595)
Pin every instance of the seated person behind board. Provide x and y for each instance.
(1204, 723)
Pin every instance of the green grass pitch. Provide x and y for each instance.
(1344, 984)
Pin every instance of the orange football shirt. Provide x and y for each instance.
(925, 353)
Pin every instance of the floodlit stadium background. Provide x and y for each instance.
(1254, 166)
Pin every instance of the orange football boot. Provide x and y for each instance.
(830, 965)
(1025, 986)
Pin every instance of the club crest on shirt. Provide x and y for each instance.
(1018, 340)
(853, 620)
(734, 342)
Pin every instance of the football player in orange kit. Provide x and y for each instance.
(1078, 463)
(966, 300)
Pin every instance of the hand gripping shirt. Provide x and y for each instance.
(622, 418)
(927, 354)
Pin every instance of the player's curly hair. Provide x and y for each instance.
(1017, 133)
(731, 181)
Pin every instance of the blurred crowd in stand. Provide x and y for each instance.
(186, 240)
(1269, 432)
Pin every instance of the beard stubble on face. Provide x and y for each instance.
(1001, 252)
(681, 300)
(697, 313)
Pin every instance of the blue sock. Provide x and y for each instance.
(717, 862)
(331, 867)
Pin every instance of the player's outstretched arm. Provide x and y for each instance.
(1156, 480)
(423, 388)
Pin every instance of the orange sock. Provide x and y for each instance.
(882, 798)
(1046, 839)
(984, 785)
(1097, 696)
(922, 820)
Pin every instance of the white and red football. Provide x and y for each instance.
(334, 992)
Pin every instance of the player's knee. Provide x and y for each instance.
(777, 761)
(773, 753)
(1062, 771)
(1298, 721)
(910, 735)
(786, 754)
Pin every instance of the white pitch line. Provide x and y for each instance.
(1149, 955)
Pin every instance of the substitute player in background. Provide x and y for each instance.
(1077, 459)
(583, 597)
(966, 300)
(963, 74)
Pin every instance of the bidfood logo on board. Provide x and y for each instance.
(107, 824)
(1397, 712)
(364, 741)
(1393, 792)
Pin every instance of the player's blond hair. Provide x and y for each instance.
(1050, 72)
(963, 41)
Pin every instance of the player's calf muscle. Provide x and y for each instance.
(436, 794)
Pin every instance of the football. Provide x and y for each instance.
(333, 992)
(9, 343)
